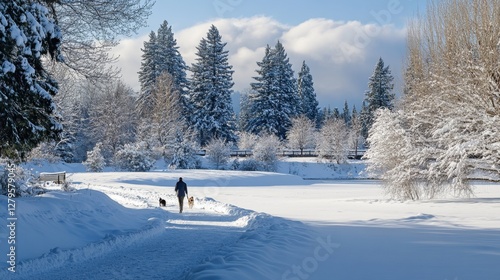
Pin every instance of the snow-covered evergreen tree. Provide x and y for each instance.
(212, 113)
(134, 157)
(95, 161)
(148, 74)
(380, 92)
(307, 96)
(182, 151)
(27, 111)
(274, 100)
(161, 54)
(346, 114)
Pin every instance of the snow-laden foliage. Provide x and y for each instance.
(379, 94)
(274, 100)
(246, 140)
(302, 135)
(15, 180)
(266, 151)
(446, 132)
(134, 157)
(333, 141)
(307, 96)
(218, 152)
(95, 161)
(160, 55)
(211, 112)
(27, 111)
(182, 151)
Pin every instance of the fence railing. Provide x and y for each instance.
(352, 154)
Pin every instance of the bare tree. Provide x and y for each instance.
(91, 28)
(112, 119)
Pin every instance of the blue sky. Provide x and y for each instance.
(341, 41)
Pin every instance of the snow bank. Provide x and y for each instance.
(58, 227)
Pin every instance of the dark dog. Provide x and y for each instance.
(191, 202)
(162, 202)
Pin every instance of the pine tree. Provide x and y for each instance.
(346, 114)
(148, 74)
(275, 101)
(212, 113)
(307, 96)
(160, 55)
(27, 111)
(379, 94)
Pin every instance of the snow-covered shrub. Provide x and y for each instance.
(134, 157)
(95, 161)
(250, 164)
(266, 151)
(218, 152)
(15, 180)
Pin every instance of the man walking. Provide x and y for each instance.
(182, 191)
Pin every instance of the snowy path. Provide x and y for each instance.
(187, 239)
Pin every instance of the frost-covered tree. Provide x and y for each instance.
(28, 34)
(160, 55)
(212, 113)
(274, 101)
(333, 141)
(449, 112)
(266, 151)
(302, 135)
(379, 94)
(307, 96)
(95, 161)
(246, 140)
(218, 152)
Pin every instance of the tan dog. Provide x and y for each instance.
(191, 202)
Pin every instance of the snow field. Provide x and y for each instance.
(283, 227)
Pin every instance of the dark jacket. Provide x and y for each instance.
(181, 188)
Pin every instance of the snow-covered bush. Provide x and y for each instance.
(14, 180)
(218, 152)
(95, 161)
(266, 151)
(134, 157)
(250, 164)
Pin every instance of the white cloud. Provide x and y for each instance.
(341, 55)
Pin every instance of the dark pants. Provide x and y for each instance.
(181, 203)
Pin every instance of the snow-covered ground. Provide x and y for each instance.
(249, 225)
